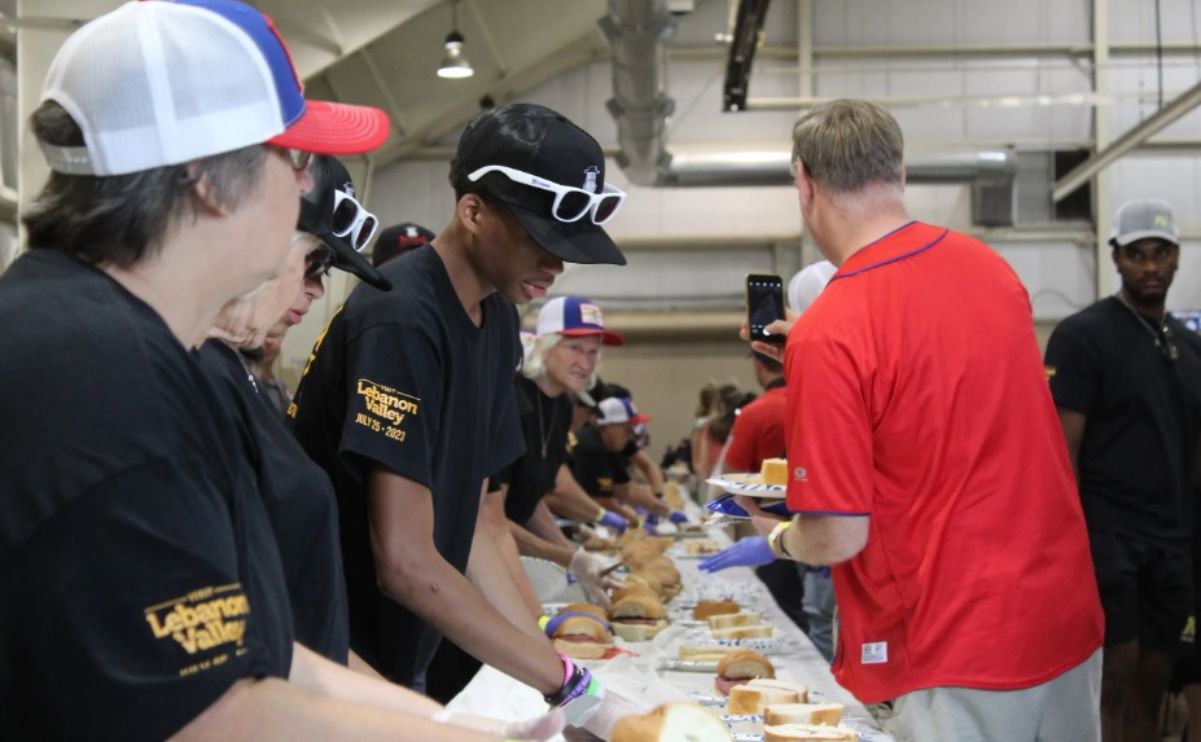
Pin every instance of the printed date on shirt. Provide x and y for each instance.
(212, 618)
(384, 410)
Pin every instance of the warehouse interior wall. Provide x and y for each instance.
(689, 249)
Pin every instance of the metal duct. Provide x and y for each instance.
(638, 31)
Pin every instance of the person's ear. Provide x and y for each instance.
(205, 192)
(470, 211)
(804, 183)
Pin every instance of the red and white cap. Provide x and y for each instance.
(164, 82)
(619, 410)
(574, 316)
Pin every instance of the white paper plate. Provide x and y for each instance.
(774, 645)
(749, 485)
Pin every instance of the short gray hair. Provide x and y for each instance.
(120, 220)
(846, 145)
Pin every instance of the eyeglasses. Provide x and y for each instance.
(571, 204)
(298, 158)
(318, 262)
(351, 220)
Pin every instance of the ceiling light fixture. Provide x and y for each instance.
(454, 63)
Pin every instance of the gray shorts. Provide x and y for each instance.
(1064, 709)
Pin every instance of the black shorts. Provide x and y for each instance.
(1146, 590)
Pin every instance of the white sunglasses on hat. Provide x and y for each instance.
(570, 203)
(352, 221)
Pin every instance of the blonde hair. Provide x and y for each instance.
(533, 366)
(846, 145)
(236, 320)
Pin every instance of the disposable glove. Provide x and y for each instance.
(678, 517)
(587, 570)
(613, 520)
(749, 552)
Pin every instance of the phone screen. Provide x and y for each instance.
(764, 305)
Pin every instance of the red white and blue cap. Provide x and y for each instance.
(620, 410)
(574, 316)
(164, 82)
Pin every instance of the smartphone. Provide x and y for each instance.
(764, 305)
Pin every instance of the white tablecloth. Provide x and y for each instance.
(493, 694)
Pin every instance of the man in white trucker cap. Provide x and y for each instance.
(141, 583)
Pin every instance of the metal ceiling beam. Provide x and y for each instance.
(351, 26)
(575, 53)
(1164, 117)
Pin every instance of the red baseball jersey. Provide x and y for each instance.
(758, 432)
(917, 397)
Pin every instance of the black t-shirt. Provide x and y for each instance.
(594, 467)
(300, 503)
(406, 380)
(139, 578)
(1143, 415)
(545, 422)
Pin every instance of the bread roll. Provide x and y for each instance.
(790, 732)
(726, 620)
(622, 593)
(595, 610)
(706, 608)
(637, 632)
(672, 722)
(758, 631)
(637, 605)
(691, 652)
(803, 713)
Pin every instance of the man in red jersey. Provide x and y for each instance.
(927, 463)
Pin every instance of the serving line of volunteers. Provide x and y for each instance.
(185, 566)
(164, 538)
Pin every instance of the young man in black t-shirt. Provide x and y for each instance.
(141, 591)
(407, 402)
(1126, 378)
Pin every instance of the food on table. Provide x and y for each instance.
(705, 654)
(701, 546)
(636, 588)
(774, 471)
(581, 635)
(757, 631)
(706, 608)
(638, 617)
(790, 732)
(671, 722)
(726, 620)
(803, 713)
(740, 667)
(756, 695)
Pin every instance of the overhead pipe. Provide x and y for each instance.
(638, 32)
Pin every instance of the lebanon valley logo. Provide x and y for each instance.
(590, 175)
(202, 620)
(386, 408)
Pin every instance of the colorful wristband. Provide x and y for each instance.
(776, 539)
(600, 514)
(543, 620)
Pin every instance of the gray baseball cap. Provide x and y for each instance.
(1143, 218)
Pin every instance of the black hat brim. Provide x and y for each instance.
(574, 242)
(346, 258)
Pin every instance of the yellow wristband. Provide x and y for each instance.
(776, 539)
(600, 514)
(543, 620)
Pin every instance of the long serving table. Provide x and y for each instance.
(645, 678)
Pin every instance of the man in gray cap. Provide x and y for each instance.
(1126, 378)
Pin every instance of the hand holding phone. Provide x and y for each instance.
(764, 305)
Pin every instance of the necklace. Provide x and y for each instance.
(1161, 334)
(254, 384)
(544, 435)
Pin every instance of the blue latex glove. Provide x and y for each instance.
(677, 517)
(749, 552)
(614, 521)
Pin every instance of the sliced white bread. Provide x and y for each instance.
(803, 713)
(727, 620)
(748, 699)
(758, 631)
(672, 722)
(790, 732)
